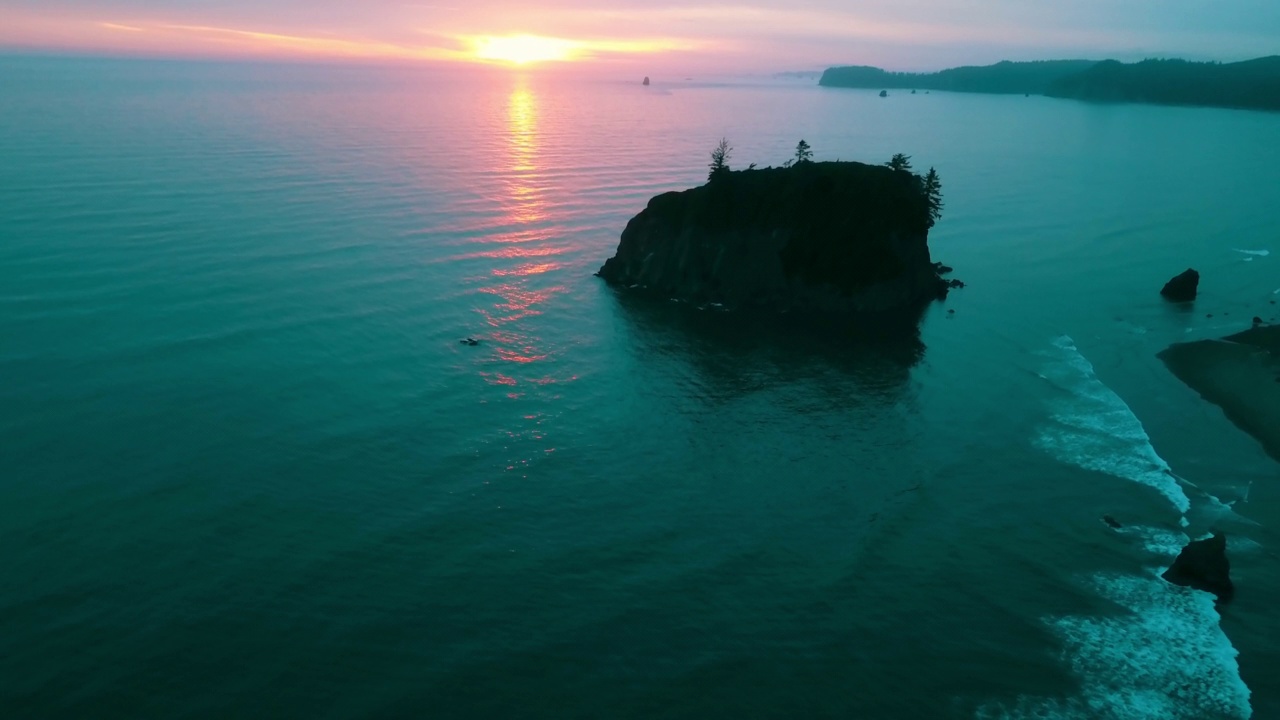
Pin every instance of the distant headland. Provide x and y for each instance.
(1001, 78)
(1253, 84)
(821, 236)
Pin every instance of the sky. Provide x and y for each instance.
(700, 35)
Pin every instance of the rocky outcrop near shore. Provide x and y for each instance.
(1203, 565)
(1182, 288)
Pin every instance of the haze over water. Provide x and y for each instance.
(248, 469)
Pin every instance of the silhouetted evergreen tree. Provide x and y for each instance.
(933, 192)
(900, 162)
(719, 159)
(804, 153)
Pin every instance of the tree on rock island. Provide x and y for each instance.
(933, 192)
(900, 162)
(720, 160)
(804, 153)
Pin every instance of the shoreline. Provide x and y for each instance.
(1240, 374)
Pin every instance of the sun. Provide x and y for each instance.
(524, 49)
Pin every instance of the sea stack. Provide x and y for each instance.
(1182, 288)
(1203, 565)
(646, 81)
(831, 236)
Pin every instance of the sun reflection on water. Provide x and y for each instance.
(523, 253)
(527, 202)
(527, 269)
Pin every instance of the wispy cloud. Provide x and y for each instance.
(122, 28)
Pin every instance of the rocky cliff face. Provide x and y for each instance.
(842, 237)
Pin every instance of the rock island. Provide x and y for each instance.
(821, 236)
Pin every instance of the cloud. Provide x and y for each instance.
(756, 33)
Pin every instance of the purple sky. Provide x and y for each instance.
(703, 35)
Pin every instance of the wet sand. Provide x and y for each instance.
(1239, 373)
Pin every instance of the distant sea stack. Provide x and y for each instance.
(831, 236)
(646, 81)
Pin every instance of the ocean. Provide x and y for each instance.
(249, 469)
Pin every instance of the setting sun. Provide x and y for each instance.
(524, 49)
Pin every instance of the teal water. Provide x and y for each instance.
(247, 469)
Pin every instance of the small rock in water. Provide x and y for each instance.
(951, 312)
(1111, 522)
(470, 341)
(1203, 565)
(1257, 320)
(1182, 288)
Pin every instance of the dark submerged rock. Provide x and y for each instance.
(831, 237)
(1203, 565)
(1182, 288)
(1111, 522)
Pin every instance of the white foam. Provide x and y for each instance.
(1094, 429)
(1161, 655)
(1164, 544)
(1255, 253)
(1216, 512)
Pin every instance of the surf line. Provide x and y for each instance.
(1166, 655)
